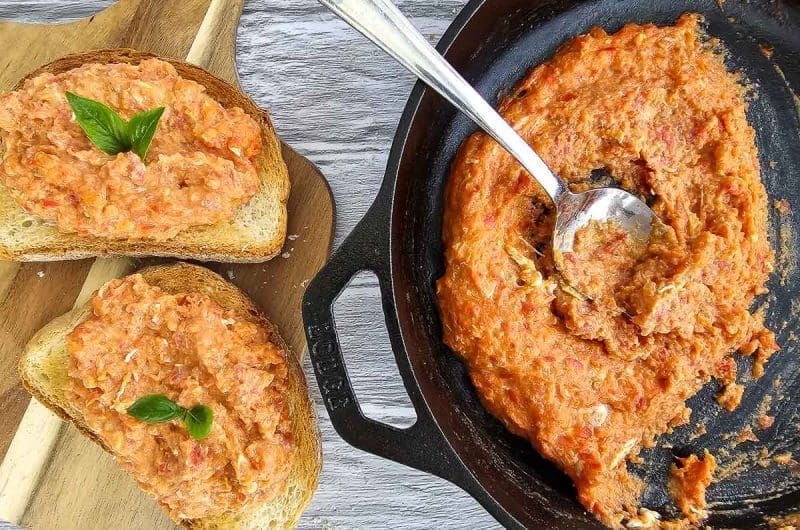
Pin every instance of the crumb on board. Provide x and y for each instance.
(688, 480)
(783, 459)
(40, 274)
(286, 255)
(731, 396)
(773, 164)
(767, 50)
(229, 274)
(292, 237)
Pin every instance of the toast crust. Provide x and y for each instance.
(43, 371)
(231, 242)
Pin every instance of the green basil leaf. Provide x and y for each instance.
(104, 127)
(141, 129)
(198, 421)
(155, 408)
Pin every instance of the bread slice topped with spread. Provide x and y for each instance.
(176, 373)
(120, 152)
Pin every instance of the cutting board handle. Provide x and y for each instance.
(215, 37)
(213, 24)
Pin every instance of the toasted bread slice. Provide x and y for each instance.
(43, 370)
(256, 233)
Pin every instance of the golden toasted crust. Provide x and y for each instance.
(256, 234)
(43, 370)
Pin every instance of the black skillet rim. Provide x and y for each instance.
(370, 248)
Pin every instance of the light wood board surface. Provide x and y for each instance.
(51, 476)
(336, 100)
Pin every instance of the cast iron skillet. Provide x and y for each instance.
(494, 43)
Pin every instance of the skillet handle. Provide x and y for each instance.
(422, 445)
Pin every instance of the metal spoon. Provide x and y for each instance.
(385, 25)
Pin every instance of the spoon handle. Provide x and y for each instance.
(384, 24)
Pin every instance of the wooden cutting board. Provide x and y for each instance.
(51, 476)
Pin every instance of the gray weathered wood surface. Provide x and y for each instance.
(337, 100)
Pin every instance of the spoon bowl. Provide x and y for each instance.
(382, 23)
(577, 210)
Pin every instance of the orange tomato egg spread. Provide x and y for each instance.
(201, 166)
(141, 341)
(592, 371)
